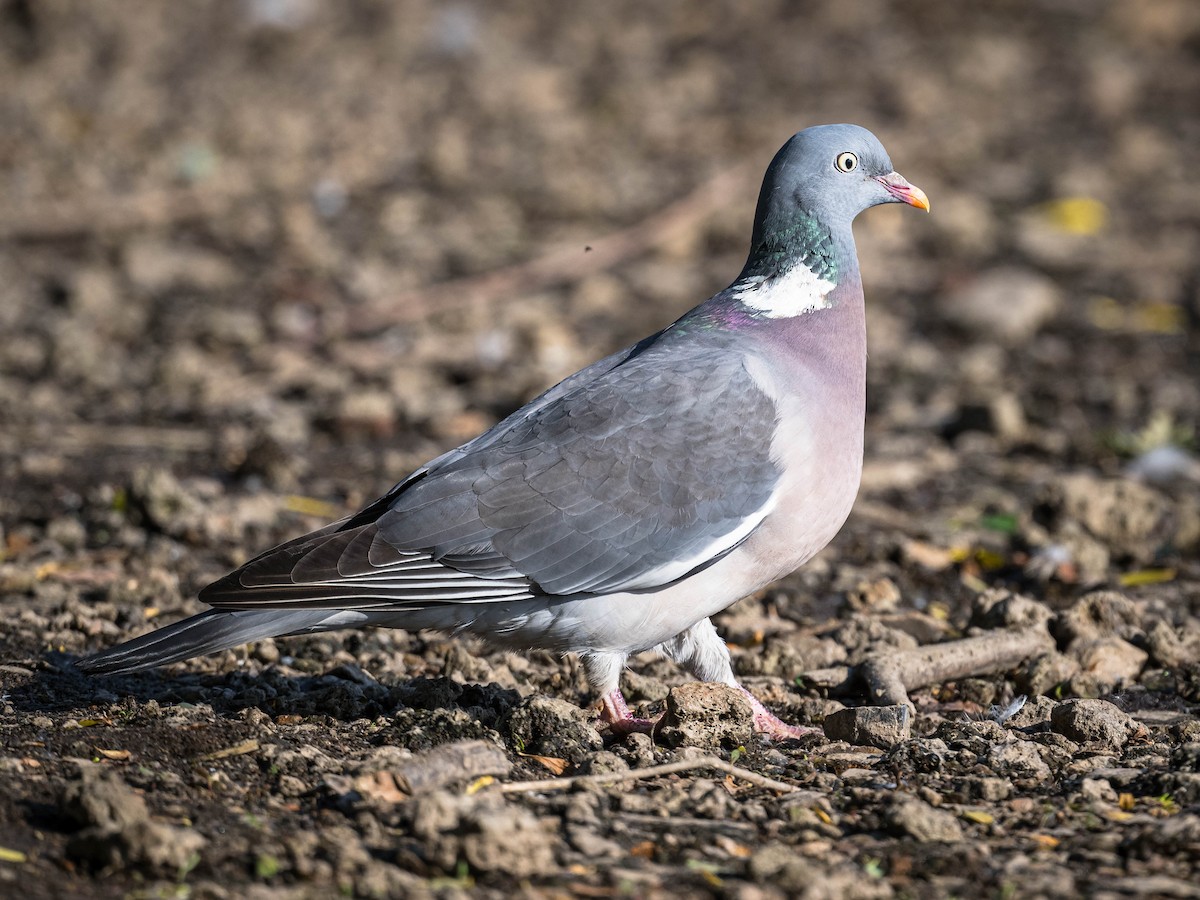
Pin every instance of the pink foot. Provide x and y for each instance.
(771, 726)
(615, 713)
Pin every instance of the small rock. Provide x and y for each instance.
(1125, 514)
(167, 504)
(459, 761)
(870, 726)
(1020, 759)
(117, 831)
(552, 727)
(1100, 614)
(67, 531)
(604, 762)
(637, 749)
(983, 788)
(1186, 758)
(1174, 648)
(1094, 722)
(1000, 608)
(1033, 715)
(1097, 790)
(369, 413)
(918, 819)
(1110, 661)
(1042, 674)
(491, 834)
(707, 715)
(1007, 303)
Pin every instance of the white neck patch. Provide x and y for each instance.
(798, 292)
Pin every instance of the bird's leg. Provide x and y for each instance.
(615, 713)
(701, 651)
(604, 675)
(769, 724)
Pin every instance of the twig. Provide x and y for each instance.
(83, 438)
(565, 263)
(675, 823)
(687, 765)
(59, 219)
(890, 675)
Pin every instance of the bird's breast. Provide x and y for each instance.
(818, 384)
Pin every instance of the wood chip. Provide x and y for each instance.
(553, 764)
(236, 750)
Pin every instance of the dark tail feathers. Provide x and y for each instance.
(208, 632)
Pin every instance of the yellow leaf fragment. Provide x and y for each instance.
(236, 750)
(310, 506)
(1146, 576)
(979, 816)
(1045, 841)
(479, 784)
(114, 754)
(1117, 815)
(1076, 215)
(11, 856)
(1157, 317)
(1126, 801)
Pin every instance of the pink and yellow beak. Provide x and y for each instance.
(898, 186)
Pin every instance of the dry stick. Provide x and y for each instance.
(85, 438)
(59, 219)
(890, 676)
(565, 263)
(703, 762)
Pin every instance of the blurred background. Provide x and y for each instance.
(259, 258)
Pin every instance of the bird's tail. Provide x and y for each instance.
(208, 632)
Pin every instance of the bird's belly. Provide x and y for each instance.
(619, 623)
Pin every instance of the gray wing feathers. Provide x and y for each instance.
(623, 477)
(651, 466)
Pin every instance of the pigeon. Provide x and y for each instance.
(625, 506)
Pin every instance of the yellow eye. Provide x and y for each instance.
(846, 162)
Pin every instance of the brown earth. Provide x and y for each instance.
(247, 281)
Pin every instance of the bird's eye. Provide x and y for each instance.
(846, 162)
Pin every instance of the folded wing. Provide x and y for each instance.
(622, 479)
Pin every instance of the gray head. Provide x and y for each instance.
(823, 177)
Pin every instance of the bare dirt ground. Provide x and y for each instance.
(257, 262)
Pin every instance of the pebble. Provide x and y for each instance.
(1094, 722)
(1009, 304)
(918, 819)
(870, 726)
(707, 715)
(550, 726)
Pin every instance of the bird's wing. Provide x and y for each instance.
(626, 480)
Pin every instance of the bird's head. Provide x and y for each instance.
(828, 174)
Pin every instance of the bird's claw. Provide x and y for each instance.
(771, 726)
(616, 714)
